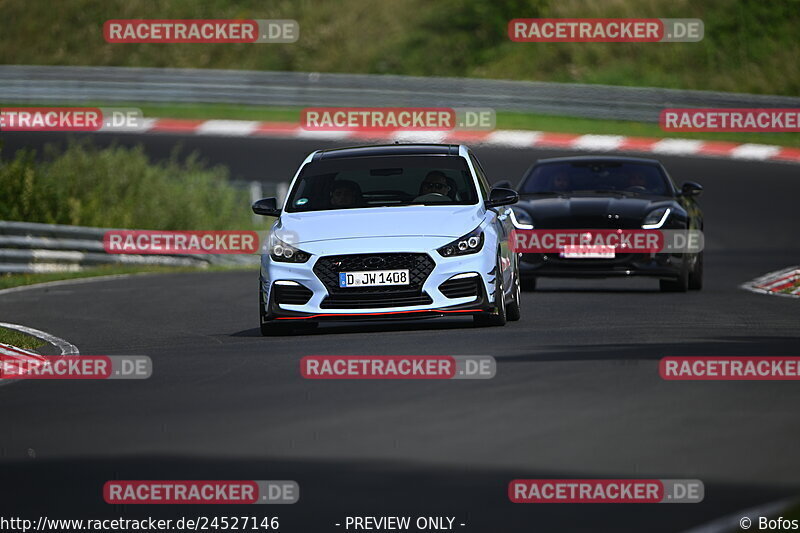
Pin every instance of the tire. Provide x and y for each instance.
(513, 311)
(498, 316)
(696, 275)
(681, 284)
(528, 284)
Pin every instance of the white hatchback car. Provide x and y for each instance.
(389, 232)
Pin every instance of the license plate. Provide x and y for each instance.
(373, 278)
(588, 252)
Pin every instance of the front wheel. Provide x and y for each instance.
(696, 275)
(513, 310)
(681, 284)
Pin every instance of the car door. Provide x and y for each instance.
(503, 224)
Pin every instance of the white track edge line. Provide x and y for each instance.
(66, 348)
(751, 285)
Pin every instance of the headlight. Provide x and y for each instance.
(521, 218)
(285, 252)
(470, 243)
(656, 218)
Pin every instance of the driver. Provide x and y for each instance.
(561, 182)
(637, 179)
(345, 193)
(435, 182)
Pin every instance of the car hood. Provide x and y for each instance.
(591, 211)
(404, 221)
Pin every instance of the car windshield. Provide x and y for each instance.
(595, 176)
(382, 181)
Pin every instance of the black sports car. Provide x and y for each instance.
(609, 193)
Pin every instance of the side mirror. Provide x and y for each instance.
(499, 196)
(504, 184)
(690, 189)
(267, 207)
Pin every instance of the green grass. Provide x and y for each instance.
(20, 340)
(749, 45)
(788, 290)
(118, 187)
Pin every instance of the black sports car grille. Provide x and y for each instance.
(460, 288)
(292, 294)
(556, 259)
(419, 267)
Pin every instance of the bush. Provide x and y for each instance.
(119, 187)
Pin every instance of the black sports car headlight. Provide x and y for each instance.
(471, 243)
(521, 218)
(656, 218)
(286, 253)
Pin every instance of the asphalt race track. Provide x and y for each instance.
(577, 392)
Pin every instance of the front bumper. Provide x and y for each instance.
(663, 266)
(436, 304)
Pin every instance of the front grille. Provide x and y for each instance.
(292, 294)
(367, 301)
(419, 267)
(460, 288)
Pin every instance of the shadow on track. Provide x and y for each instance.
(333, 328)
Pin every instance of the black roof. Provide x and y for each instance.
(387, 149)
(600, 158)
